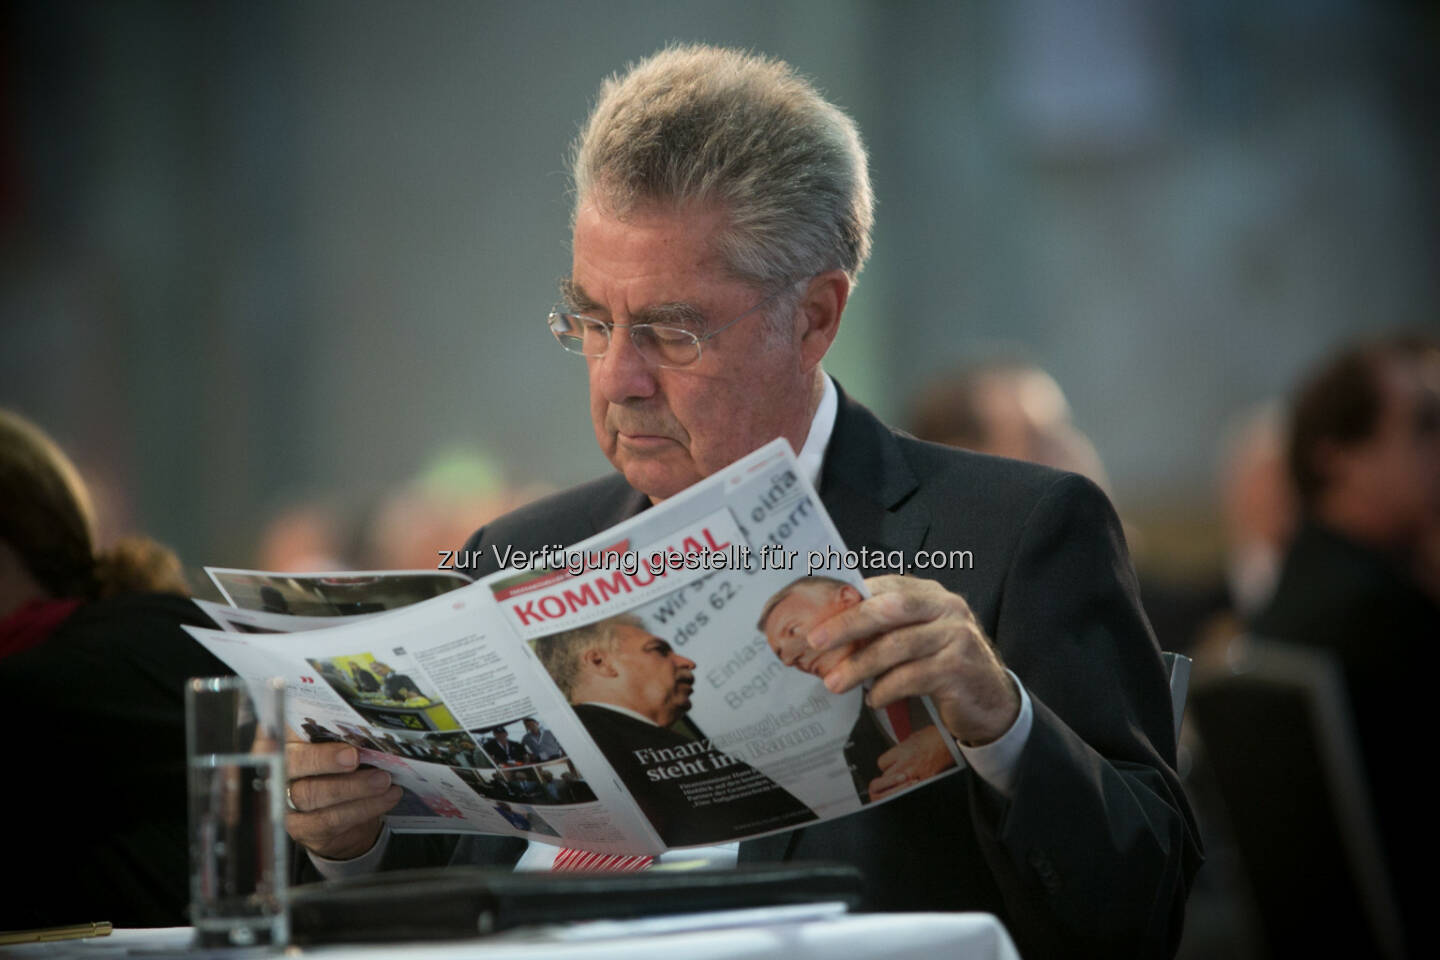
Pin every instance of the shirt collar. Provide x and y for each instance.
(633, 715)
(817, 441)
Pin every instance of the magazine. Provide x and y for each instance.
(646, 689)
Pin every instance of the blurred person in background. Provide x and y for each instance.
(1258, 508)
(91, 651)
(1008, 409)
(1015, 409)
(458, 490)
(1358, 580)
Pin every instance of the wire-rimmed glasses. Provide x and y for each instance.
(660, 344)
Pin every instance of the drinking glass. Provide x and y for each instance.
(235, 737)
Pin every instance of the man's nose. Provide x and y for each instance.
(622, 372)
(684, 663)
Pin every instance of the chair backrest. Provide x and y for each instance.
(1177, 668)
(1278, 734)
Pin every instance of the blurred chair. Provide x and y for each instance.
(1279, 734)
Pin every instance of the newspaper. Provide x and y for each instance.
(619, 695)
(339, 594)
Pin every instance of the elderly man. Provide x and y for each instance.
(723, 211)
(629, 687)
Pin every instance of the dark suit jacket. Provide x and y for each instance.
(94, 799)
(1094, 854)
(665, 801)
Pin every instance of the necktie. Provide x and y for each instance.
(899, 714)
(572, 859)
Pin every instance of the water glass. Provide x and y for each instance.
(235, 736)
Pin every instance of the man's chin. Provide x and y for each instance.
(656, 477)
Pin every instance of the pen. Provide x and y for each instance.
(75, 931)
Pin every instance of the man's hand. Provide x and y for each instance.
(915, 638)
(340, 804)
(918, 757)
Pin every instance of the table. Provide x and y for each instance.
(753, 935)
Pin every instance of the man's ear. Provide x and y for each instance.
(596, 660)
(818, 314)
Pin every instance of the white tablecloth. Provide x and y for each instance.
(897, 936)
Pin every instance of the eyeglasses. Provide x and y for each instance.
(662, 345)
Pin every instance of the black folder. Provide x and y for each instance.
(448, 903)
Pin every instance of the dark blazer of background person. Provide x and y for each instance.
(1098, 838)
(664, 802)
(94, 801)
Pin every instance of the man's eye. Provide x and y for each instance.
(662, 336)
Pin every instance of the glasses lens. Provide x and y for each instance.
(579, 334)
(667, 346)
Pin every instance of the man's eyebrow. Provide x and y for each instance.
(574, 295)
(676, 314)
(673, 313)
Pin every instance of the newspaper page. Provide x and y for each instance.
(667, 655)
(239, 620)
(716, 589)
(337, 594)
(438, 695)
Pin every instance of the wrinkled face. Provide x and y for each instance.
(666, 428)
(657, 681)
(792, 619)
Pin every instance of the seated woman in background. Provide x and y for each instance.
(93, 663)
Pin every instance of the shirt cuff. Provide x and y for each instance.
(367, 862)
(997, 762)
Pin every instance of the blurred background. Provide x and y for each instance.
(275, 273)
(294, 258)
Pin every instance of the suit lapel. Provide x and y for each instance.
(868, 487)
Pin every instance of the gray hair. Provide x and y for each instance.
(562, 654)
(700, 124)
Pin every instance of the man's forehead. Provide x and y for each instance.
(631, 634)
(653, 256)
(803, 598)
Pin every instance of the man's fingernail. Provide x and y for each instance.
(379, 780)
(832, 682)
(347, 757)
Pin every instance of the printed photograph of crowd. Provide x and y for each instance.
(531, 766)
(451, 748)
